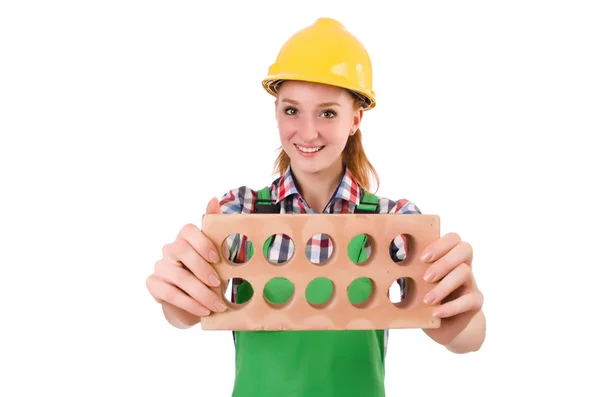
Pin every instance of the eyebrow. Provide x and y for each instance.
(324, 104)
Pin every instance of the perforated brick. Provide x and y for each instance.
(378, 312)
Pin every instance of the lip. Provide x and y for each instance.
(309, 147)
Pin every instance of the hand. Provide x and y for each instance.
(183, 277)
(451, 260)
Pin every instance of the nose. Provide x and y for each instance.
(307, 130)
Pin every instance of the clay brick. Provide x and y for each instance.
(378, 312)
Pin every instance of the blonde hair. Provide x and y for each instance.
(353, 157)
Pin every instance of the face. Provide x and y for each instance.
(315, 121)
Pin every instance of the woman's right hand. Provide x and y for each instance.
(183, 277)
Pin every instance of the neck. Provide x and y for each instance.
(317, 188)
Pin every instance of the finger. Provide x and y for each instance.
(463, 304)
(440, 247)
(460, 253)
(457, 277)
(182, 251)
(165, 292)
(201, 244)
(213, 206)
(185, 281)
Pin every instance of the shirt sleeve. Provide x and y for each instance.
(399, 246)
(237, 201)
(237, 248)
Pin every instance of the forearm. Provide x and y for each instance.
(179, 318)
(471, 338)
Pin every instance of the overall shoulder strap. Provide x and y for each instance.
(264, 204)
(369, 204)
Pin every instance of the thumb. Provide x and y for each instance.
(213, 206)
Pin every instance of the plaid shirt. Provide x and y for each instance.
(283, 190)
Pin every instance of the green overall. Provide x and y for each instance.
(310, 363)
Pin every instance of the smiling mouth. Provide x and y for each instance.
(312, 149)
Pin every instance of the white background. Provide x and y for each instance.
(119, 120)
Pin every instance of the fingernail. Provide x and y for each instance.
(203, 312)
(213, 257)
(214, 280)
(219, 306)
(437, 313)
(429, 275)
(425, 257)
(428, 298)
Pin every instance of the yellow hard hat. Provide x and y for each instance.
(325, 52)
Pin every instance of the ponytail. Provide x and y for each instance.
(356, 161)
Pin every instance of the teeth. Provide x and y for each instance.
(308, 150)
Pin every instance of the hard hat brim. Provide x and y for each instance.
(271, 83)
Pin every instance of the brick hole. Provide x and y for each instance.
(360, 248)
(398, 249)
(319, 292)
(402, 292)
(237, 249)
(319, 248)
(278, 249)
(243, 292)
(361, 292)
(278, 292)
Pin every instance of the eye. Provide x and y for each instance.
(329, 114)
(290, 110)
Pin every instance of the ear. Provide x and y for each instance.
(356, 120)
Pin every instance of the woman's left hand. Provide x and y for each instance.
(451, 260)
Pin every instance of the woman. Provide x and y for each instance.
(321, 82)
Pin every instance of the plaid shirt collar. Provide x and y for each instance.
(348, 188)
